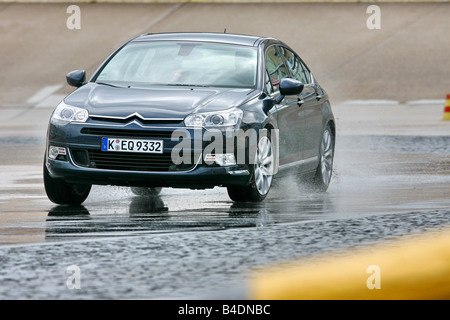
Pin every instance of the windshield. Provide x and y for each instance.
(182, 63)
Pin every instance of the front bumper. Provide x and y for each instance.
(199, 177)
(196, 176)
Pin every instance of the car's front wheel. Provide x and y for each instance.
(262, 170)
(61, 192)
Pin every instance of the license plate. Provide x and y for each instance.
(132, 145)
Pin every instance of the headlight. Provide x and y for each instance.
(68, 113)
(227, 118)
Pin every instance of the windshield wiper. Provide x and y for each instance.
(108, 84)
(187, 85)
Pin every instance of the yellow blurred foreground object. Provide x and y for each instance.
(447, 108)
(417, 268)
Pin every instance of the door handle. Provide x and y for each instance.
(319, 93)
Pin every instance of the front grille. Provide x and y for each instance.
(153, 121)
(127, 161)
(111, 132)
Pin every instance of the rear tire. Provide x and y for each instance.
(60, 192)
(322, 178)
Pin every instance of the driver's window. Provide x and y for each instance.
(275, 67)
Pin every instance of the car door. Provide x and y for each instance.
(313, 122)
(309, 110)
(289, 121)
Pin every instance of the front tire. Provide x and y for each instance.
(61, 192)
(262, 170)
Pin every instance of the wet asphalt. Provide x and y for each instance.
(197, 244)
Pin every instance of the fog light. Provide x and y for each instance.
(210, 158)
(226, 159)
(54, 152)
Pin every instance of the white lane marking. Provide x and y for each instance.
(43, 93)
(375, 102)
(51, 101)
(371, 102)
(427, 101)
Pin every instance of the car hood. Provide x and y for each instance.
(157, 101)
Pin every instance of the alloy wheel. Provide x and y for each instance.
(326, 161)
(263, 166)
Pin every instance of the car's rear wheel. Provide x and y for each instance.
(145, 191)
(61, 192)
(324, 171)
(262, 170)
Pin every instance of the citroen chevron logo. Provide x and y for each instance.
(135, 115)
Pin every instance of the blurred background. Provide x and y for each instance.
(405, 60)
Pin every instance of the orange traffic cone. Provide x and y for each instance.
(447, 108)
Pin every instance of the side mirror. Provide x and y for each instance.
(76, 78)
(289, 87)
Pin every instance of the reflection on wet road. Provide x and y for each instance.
(211, 210)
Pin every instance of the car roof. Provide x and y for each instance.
(229, 38)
